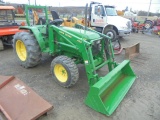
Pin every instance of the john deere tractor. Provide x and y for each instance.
(72, 46)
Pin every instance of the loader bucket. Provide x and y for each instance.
(105, 95)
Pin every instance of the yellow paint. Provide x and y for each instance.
(79, 41)
(21, 50)
(68, 35)
(60, 73)
(61, 32)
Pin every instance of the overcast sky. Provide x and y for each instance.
(120, 4)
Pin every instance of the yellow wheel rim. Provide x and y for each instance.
(21, 50)
(60, 72)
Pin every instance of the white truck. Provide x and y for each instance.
(105, 19)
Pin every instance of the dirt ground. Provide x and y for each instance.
(142, 102)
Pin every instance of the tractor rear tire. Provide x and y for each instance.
(64, 71)
(27, 49)
(1, 45)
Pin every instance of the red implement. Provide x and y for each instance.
(19, 102)
(9, 30)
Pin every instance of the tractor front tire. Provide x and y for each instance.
(64, 71)
(1, 45)
(27, 49)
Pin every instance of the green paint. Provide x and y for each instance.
(105, 92)
(105, 95)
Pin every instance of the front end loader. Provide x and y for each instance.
(72, 46)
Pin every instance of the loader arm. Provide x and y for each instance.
(106, 92)
(78, 47)
(67, 43)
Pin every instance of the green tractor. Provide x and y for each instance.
(72, 46)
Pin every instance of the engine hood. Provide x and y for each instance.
(88, 35)
(117, 21)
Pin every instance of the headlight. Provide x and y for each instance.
(123, 28)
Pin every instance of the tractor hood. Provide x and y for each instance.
(88, 35)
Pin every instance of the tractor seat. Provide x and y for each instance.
(56, 22)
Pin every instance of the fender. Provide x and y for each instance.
(37, 35)
(109, 26)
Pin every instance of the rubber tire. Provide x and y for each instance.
(133, 30)
(148, 22)
(32, 47)
(113, 32)
(137, 30)
(1, 45)
(71, 68)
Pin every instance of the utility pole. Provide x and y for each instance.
(35, 2)
(29, 2)
(149, 8)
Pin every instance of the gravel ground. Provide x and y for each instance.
(142, 102)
